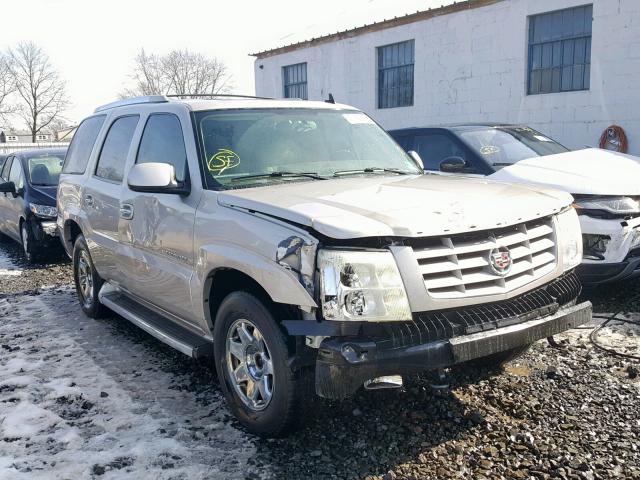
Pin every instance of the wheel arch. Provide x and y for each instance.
(71, 231)
(224, 280)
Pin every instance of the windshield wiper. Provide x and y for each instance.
(285, 174)
(372, 170)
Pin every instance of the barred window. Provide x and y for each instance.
(560, 50)
(395, 75)
(295, 81)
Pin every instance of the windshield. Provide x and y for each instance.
(503, 146)
(45, 169)
(256, 147)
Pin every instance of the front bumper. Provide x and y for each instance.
(345, 363)
(593, 273)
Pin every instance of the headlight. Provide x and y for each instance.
(569, 239)
(363, 286)
(43, 211)
(613, 205)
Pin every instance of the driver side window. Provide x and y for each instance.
(15, 174)
(433, 148)
(5, 169)
(162, 142)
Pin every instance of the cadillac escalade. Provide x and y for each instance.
(301, 249)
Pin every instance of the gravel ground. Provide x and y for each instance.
(571, 412)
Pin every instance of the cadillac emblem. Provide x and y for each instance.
(500, 260)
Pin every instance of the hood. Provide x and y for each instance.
(421, 205)
(588, 172)
(43, 195)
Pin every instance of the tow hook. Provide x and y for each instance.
(384, 383)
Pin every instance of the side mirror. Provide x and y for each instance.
(8, 187)
(416, 159)
(155, 178)
(453, 165)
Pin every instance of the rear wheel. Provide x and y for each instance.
(251, 355)
(28, 242)
(87, 280)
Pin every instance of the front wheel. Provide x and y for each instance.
(87, 280)
(28, 242)
(251, 355)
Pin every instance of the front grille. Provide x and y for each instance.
(459, 266)
(432, 326)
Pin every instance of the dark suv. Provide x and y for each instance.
(28, 186)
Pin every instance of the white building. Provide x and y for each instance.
(25, 137)
(568, 68)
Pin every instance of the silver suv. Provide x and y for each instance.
(298, 246)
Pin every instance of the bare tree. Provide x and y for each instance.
(179, 72)
(41, 92)
(7, 86)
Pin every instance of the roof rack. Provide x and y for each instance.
(209, 95)
(132, 101)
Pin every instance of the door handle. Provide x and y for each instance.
(88, 200)
(126, 211)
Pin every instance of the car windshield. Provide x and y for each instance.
(504, 146)
(263, 146)
(44, 169)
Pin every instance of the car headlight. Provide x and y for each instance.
(569, 239)
(43, 211)
(363, 286)
(612, 205)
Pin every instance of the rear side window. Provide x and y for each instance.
(82, 145)
(115, 148)
(162, 142)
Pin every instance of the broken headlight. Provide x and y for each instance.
(596, 206)
(569, 239)
(365, 286)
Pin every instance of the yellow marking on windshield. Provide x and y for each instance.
(489, 150)
(221, 160)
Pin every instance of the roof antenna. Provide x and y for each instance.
(330, 99)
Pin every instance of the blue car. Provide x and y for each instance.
(28, 188)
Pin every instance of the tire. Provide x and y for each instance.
(87, 280)
(28, 241)
(498, 359)
(281, 409)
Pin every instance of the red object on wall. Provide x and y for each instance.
(614, 138)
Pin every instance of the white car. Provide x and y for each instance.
(605, 184)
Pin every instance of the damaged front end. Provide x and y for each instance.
(611, 238)
(298, 255)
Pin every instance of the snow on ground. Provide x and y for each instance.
(82, 398)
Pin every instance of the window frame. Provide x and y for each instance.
(380, 69)
(104, 140)
(562, 39)
(295, 84)
(187, 177)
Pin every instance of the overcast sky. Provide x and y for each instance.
(93, 43)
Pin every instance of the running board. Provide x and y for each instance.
(163, 329)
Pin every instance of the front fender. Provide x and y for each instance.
(282, 285)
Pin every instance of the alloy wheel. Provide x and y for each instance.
(85, 278)
(249, 364)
